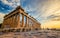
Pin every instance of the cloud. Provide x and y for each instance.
(30, 7)
(12, 3)
(7, 6)
(55, 17)
(45, 11)
(50, 14)
(1, 17)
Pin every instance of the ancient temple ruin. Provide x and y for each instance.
(19, 19)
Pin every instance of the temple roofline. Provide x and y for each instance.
(17, 8)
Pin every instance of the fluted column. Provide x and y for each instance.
(22, 20)
(18, 20)
(12, 21)
(26, 21)
(9, 21)
(15, 18)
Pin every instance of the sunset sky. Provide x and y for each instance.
(47, 12)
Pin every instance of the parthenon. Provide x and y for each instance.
(19, 19)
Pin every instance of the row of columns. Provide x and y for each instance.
(26, 24)
(14, 21)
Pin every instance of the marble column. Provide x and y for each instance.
(26, 21)
(29, 22)
(15, 18)
(22, 20)
(12, 20)
(18, 20)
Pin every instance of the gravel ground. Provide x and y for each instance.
(32, 34)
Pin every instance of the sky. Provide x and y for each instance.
(47, 12)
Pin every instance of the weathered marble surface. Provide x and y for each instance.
(32, 34)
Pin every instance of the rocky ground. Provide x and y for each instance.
(32, 34)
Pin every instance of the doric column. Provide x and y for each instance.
(18, 20)
(22, 20)
(15, 18)
(13, 21)
(26, 21)
(10, 21)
